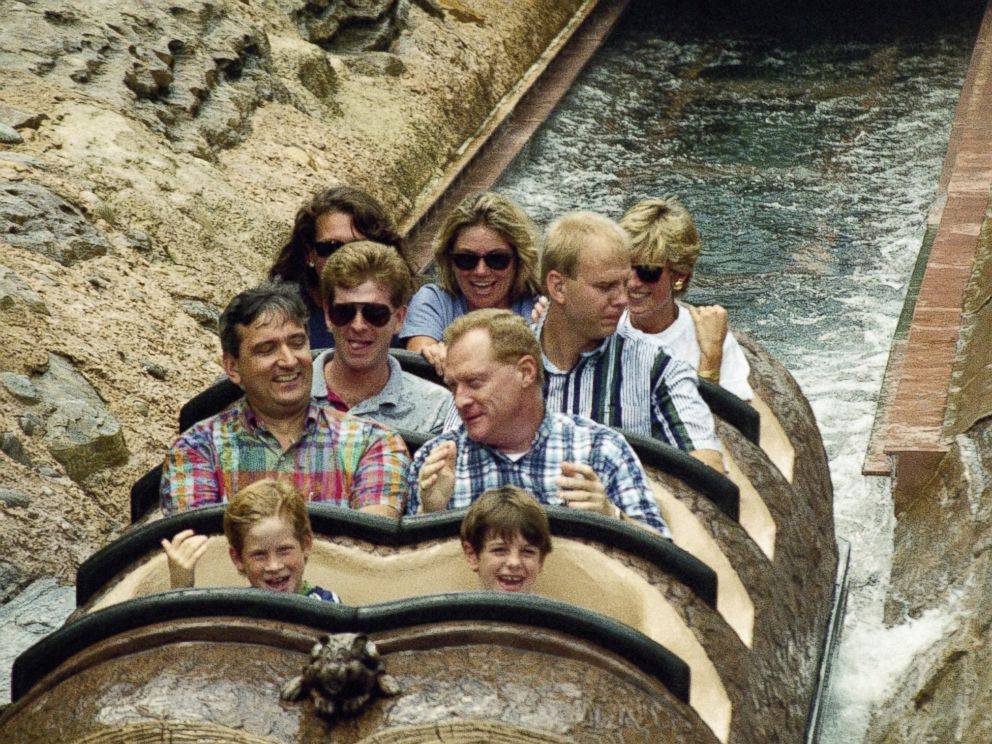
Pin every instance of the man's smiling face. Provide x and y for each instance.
(273, 365)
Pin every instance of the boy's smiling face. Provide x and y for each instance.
(506, 564)
(272, 557)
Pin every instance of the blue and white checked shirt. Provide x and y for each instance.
(560, 438)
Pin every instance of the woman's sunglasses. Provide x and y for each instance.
(325, 248)
(649, 274)
(497, 260)
(375, 313)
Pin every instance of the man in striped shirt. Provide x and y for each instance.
(277, 430)
(592, 371)
(509, 438)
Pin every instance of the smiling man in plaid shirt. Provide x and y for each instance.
(276, 430)
(508, 438)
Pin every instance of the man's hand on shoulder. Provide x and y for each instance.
(437, 477)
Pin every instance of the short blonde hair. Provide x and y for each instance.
(568, 235)
(510, 336)
(505, 512)
(662, 233)
(261, 500)
(503, 216)
(364, 260)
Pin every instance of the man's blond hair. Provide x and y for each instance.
(662, 233)
(511, 337)
(570, 233)
(362, 261)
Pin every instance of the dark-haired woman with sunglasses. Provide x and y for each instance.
(486, 256)
(665, 247)
(330, 219)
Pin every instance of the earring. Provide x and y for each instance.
(678, 285)
(312, 265)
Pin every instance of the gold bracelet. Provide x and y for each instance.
(713, 375)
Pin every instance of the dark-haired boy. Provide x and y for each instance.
(505, 536)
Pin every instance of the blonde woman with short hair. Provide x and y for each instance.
(664, 249)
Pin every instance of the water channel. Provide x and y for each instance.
(808, 146)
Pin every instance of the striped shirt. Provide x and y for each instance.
(633, 385)
(560, 438)
(339, 459)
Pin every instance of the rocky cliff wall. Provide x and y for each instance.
(152, 154)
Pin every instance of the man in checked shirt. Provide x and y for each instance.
(277, 430)
(508, 437)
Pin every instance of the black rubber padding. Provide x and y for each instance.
(145, 494)
(46, 655)
(415, 364)
(210, 402)
(331, 521)
(733, 410)
(715, 486)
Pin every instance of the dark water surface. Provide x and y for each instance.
(808, 148)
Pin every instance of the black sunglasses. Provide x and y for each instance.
(375, 313)
(325, 248)
(649, 274)
(497, 260)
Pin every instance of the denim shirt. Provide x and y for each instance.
(406, 401)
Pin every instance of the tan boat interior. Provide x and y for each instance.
(754, 516)
(574, 572)
(774, 441)
(732, 599)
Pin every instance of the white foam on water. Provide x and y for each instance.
(871, 661)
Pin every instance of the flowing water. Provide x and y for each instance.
(808, 150)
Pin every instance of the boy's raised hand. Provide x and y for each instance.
(183, 552)
(580, 488)
(437, 477)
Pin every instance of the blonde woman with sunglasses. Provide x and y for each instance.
(665, 248)
(486, 257)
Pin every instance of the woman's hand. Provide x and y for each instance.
(540, 309)
(183, 552)
(711, 331)
(436, 354)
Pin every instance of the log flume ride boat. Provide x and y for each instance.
(719, 635)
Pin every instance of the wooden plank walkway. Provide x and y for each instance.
(909, 438)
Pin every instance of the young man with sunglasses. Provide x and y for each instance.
(592, 371)
(330, 219)
(277, 430)
(365, 289)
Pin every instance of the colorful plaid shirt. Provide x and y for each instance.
(339, 459)
(633, 385)
(560, 438)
